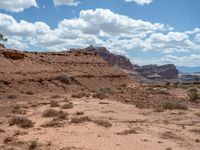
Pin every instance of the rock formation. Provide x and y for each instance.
(113, 59)
(150, 71)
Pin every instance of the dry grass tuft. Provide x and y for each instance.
(67, 106)
(64, 79)
(50, 113)
(103, 123)
(21, 121)
(174, 105)
(33, 145)
(80, 119)
(54, 104)
(12, 96)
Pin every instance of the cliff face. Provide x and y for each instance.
(23, 69)
(150, 71)
(113, 59)
(164, 72)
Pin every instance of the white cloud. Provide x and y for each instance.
(16, 43)
(17, 5)
(100, 27)
(140, 2)
(66, 2)
(190, 60)
(104, 21)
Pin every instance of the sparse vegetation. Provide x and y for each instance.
(80, 95)
(103, 123)
(80, 119)
(127, 132)
(54, 104)
(17, 110)
(50, 113)
(60, 115)
(79, 113)
(102, 93)
(3, 39)
(12, 96)
(21, 122)
(8, 140)
(67, 106)
(196, 131)
(29, 93)
(53, 123)
(168, 105)
(64, 79)
(193, 95)
(33, 145)
(55, 96)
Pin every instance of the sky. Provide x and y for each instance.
(146, 31)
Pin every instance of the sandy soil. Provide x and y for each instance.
(77, 82)
(131, 128)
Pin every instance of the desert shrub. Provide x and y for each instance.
(193, 95)
(12, 96)
(64, 79)
(67, 106)
(102, 93)
(54, 104)
(29, 93)
(123, 85)
(176, 84)
(55, 96)
(195, 131)
(18, 132)
(80, 119)
(197, 114)
(50, 113)
(173, 105)
(17, 110)
(33, 145)
(103, 123)
(8, 140)
(53, 123)
(21, 121)
(158, 109)
(80, 95)
(79, 113)
(2, 131)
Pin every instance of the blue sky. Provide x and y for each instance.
(146, 31)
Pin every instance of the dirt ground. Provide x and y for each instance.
(122, 126)
(77, 101)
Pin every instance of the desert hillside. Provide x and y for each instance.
(76, 100)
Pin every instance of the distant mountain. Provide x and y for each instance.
(185, 69)
(168, 71)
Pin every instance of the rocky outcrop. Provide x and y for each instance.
(13, 55)
(150, 71)
(113, 59)
(163, 72)
(87, 70)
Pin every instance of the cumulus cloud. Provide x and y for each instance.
(66, 2)
(190, 60)
(140, 2)
(100, 27)
(17, 5)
